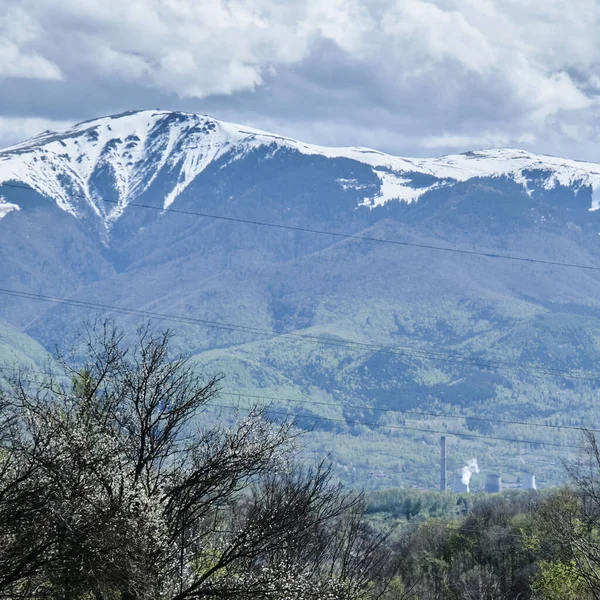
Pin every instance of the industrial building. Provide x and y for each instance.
(461, 483)
(459, 486)
(493, 483)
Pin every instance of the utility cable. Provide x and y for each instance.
(404, 428)
(414, 413)
(363, 238)
(302, 401)
(340, 342)
(318, 419)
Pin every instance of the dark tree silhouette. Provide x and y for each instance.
(114, 484)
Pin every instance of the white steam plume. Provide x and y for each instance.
(468, 470)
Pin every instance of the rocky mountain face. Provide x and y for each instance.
(82, 216)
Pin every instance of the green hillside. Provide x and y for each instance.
(18, 349)
(292, 375)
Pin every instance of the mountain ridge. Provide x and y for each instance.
(137, 147)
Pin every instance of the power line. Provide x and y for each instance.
(337, 234)
(340, 342)
(396, 427)
(409, 412)
(303, 401)
(404, 428)
(399, 427)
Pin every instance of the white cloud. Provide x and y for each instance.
(348, 23)
(16, 129)
(420, 74)
(425, 34)
(18, 32)
(490, 46)
(189, 47)
(30, 65)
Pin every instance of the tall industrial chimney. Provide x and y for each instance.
(443, 470)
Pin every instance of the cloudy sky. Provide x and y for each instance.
(411, 77)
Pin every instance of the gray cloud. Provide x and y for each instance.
(408, 76)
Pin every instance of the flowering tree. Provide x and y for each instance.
(111, 486)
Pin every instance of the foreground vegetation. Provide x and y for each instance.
(116, 484)
(108, 490)
(516, 545)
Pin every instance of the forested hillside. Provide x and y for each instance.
(346, 286)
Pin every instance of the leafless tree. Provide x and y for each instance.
(115, 484)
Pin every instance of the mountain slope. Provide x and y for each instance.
(78, 235)
(18, 349)
(132, 150)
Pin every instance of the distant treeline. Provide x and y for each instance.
(516, 545)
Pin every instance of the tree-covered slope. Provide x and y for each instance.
(345, 327)
(17, 349)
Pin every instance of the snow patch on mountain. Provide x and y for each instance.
(519, 165)
(351, 184)
(134, 148)
(6, 207)
(197, 150)
(394, 187)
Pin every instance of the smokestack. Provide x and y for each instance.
(443, 470)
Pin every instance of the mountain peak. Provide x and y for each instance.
(134, 147)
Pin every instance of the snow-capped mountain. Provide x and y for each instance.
(228, 283)
(119, 158)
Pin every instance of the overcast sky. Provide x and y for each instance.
(410, 77)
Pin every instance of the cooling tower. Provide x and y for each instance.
(493, 483)
(529, 482)
(458, 486)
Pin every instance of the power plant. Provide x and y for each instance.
(493, 483)
(461, 482)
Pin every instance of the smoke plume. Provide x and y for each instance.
(468, 470)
